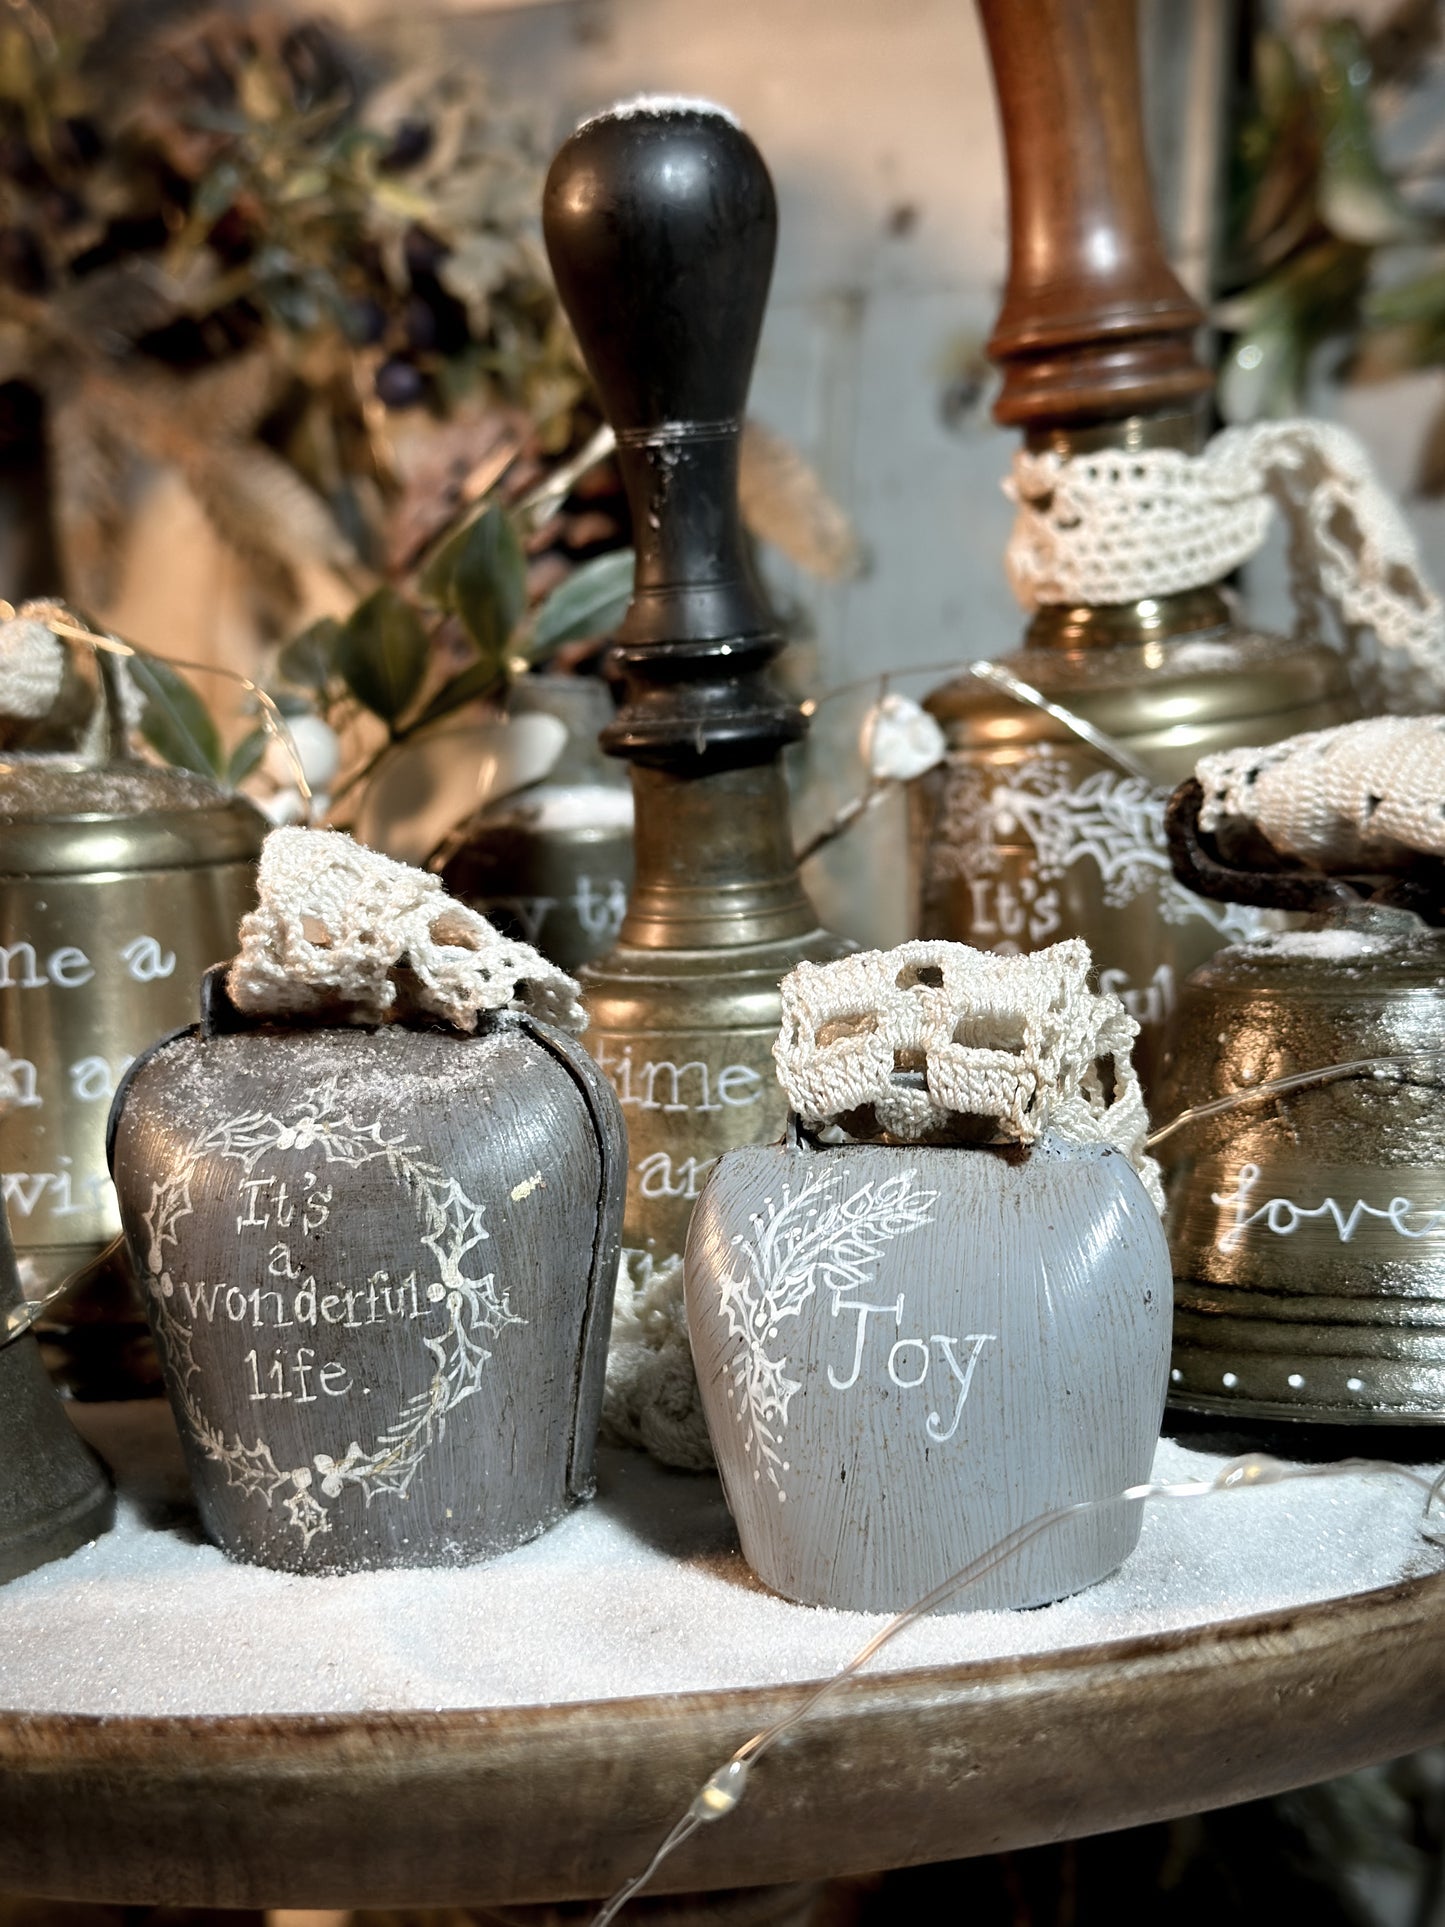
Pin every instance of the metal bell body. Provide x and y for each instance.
(120, 885)
(906, 1353)
(1026, 834)
(1308, 1230)
(54, 1492)
(551, 864)
(379, 1266)
(684, 1011)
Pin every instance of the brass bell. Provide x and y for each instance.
(550, 864)
(660, 223)
(1307, 1225)
(54, 1493)
(1027, 834)
(120, 884)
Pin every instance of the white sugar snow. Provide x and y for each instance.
(642, 1592)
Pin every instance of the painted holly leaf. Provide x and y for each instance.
(809, 1237)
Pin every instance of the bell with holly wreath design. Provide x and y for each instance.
(375, 1201)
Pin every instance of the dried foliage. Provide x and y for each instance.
(1337, 238)
(229, 247)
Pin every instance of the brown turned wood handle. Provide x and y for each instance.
(1095, 325)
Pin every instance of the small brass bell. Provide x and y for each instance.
(1307, 1225)
(54, 1493)
(120, 884)
(550, 864)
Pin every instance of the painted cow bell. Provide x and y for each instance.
(120, 885)
(551, 863)
(378, 1255)
(911, 1346)
(1308, 1228)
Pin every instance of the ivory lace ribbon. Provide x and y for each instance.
(1119, 525)
(339, 927)
(32, 665)
(1364, 796)
(932, 1031)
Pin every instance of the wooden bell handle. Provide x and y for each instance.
(661, 224)
(1095, 325)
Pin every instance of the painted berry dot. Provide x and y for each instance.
(1295, 1382)
(1230, 1381)
(1176, 1376)
(436, 1292)
(1354, 1385)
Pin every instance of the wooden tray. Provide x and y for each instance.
(539, 1803)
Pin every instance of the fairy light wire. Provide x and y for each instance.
(722, 1792)
(61, 622)
(1295, 1081)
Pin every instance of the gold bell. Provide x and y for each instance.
(1026, 834)
(1307, 1224)
(120, 884)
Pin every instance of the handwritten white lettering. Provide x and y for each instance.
(1283, 1217)
(911, 1360)
(658, 1177)
(145, 960)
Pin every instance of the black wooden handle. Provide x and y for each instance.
(661, 224)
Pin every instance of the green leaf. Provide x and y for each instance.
(175, 722)
(435, 581)
(489, 583)
(1358, 199)
(216, 192)
(309, 660)
(1419, 299)
(478, 679)
(247, 754)
(381, 654)
(591, 602)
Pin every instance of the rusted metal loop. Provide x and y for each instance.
(1290, 886)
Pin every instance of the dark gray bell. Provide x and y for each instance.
(54, 1492)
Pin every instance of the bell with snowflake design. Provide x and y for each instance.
(375, 1199)
(918, 1338)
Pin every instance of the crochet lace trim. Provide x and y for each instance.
(1121, 525)
(917, 1038)
(340, 929)
(1362, 796)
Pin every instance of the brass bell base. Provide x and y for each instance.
(686, 1037)
(1366, 1362)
